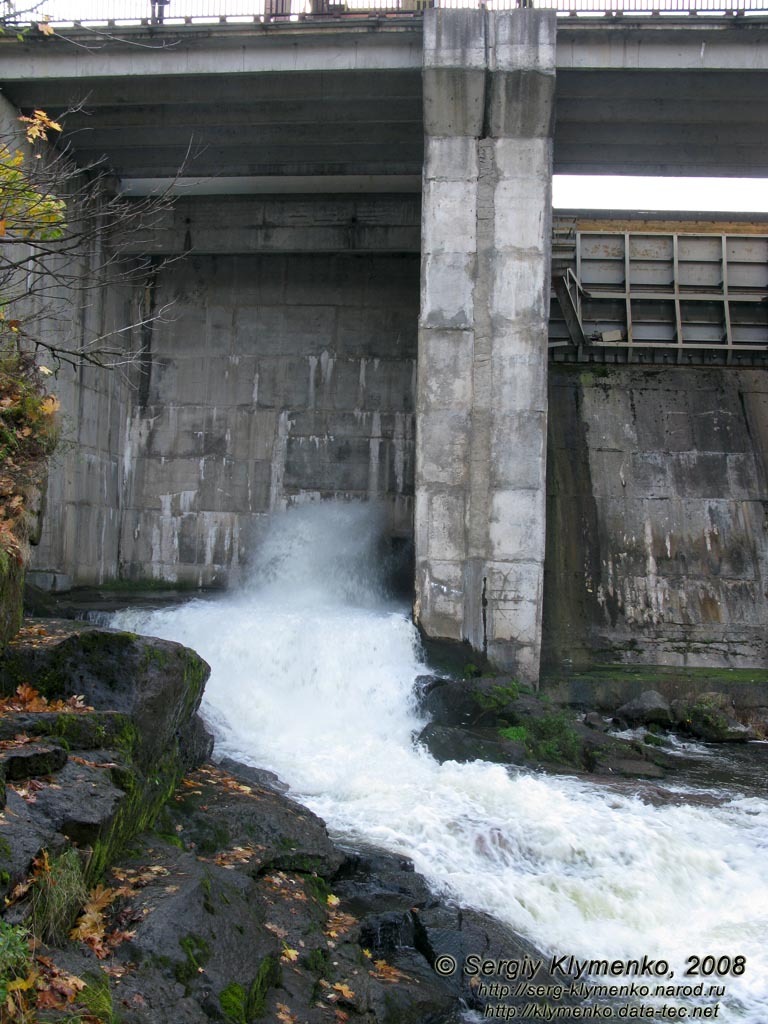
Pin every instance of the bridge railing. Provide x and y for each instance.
(176, 12)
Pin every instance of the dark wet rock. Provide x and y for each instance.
(80, 803)
(22, 838)
(382, 891)
(200, 921)
(195, 742)
(446, 743)
(30, 760)
(223, 810)
(476, 702)
(127, 755)
(489, 719)
(157, 683)
(593, 720)
(635, 768)
(710, 717)
(458, 933)
(256, 776)
(207, 926)
(89, 730)
(648, 709)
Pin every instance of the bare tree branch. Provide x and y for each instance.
(67, 237)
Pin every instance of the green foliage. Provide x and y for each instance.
(498, 697)
(550, 737)
(553, 738)
(653, 740)
(707, 717)
(317, 887)
(28, 434)
(515, 733)
(58, 894)
(232, 1001)
(27, 429)
(240, 1007)
(26, 211)
(317, 961)
(197, 953)
(96, 997)
(15, 957)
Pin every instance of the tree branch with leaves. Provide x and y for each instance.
(64, 235)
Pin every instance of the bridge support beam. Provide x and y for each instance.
(481, 398)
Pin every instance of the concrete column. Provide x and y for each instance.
(481, 403)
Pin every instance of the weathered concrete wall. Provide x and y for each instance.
(80, 540)
(657, 528)
(479, 529)
(266, 380)
(225, 225)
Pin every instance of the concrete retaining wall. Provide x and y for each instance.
(657, 539)
(267, 380)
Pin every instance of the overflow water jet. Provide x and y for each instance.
(313, 671)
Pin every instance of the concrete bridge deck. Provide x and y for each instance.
(338, 104)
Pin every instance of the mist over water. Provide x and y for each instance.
(313, 669)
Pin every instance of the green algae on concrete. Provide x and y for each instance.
(608, 686)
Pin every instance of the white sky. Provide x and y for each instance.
(703, 195)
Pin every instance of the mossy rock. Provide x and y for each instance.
(157, 683)
(709, 718)
(145, 694)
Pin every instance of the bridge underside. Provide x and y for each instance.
(322, 101)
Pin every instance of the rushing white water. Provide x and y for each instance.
(313, 674)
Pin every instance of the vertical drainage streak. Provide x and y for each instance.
(484, 606)
(147, 322)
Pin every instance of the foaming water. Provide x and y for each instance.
(312, 677)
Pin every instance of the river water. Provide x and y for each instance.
(313, 671)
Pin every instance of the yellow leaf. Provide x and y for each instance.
(2, 228)
(50, 404)
(332, 901)
(45, 28)
(344, 990)
(289, 954)
(22, 984)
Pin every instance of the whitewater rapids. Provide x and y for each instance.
(313, 673)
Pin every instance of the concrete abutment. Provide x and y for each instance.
(481, 402)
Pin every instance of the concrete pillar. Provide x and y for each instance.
(481, 402)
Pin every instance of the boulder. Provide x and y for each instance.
(650, 708)
(483, 701)
(449, 743)
(31, 759)
(593, 720)
(456, 932)
(709, 717)
(126, 754)
(264, 918)
(157, 683)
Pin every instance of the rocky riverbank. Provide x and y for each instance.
(492, 718)
(145, 884)
(161, 887)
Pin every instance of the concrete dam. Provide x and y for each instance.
(567, 417)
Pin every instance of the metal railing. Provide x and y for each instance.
(180, 12)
